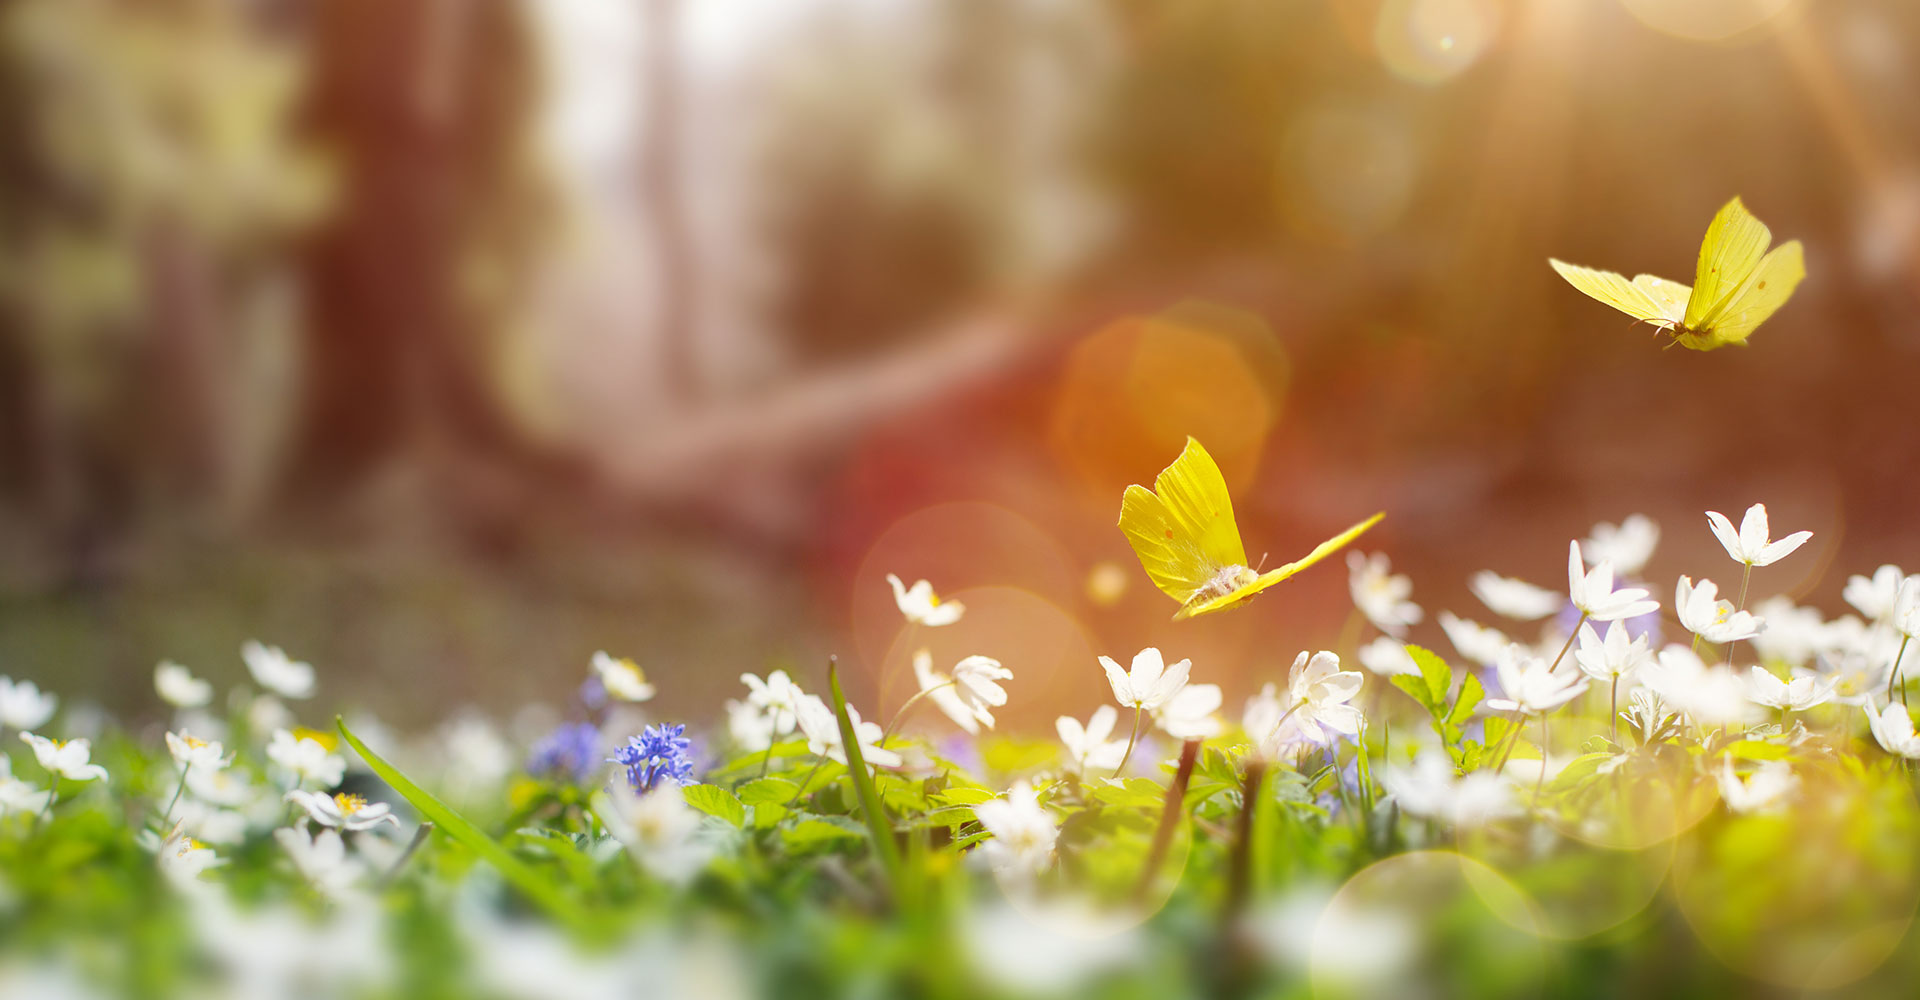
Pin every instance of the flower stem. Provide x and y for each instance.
(1542, 779)
(1569, 644)
(801, 792)
(1893, 672)
(1240, 869)
(176, 794)
(1169, 813)
(413, 847)
(910, 702)
(1131, 739)
(1613, 712)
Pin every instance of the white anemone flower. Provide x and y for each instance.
(1193, 714)
(1592, 591)
(177, 686)
(1431, 788)
(1531, 685)
(623, 678)
(274, 670)
(1712, 619)
(1149, 683)
(190, 752)
(1801, 692)
(1023, 832)
(657, 828)
(822, 729)
(345, 810)
(306, 758)
(1614, 657)
(1387, 657)
(321, 858)
(182, 859)
(1905, 617)
(1874, 595)
(18, 795)
(1893, 728)
(1763, 789)
(1794, 635)
(1091, 746)
(750, 728)
(1475, 641)
(1316, 708)
(23, 705)
(968, 695)
(922, 606)
(1515, 599)
(1709, 695)
(70, 759)
(1627, 545)
(777, 696)
(1381, 595)
(1750, 545)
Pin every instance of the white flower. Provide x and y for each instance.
(822, 729)
(1088, 746)
(1764, 788)
(658, 828)
(1711, 619)
(1804, 691)
(1794, 635)
(1430, 788)
(23, 705)
(1749, 545)
(750, 728)
(1379, 594)
(1515, 599)
(67, 758)
(1150, 683)
(778, 696)
(307, 758)
(1388, 656)
(622, 678)
(1627, 547)
(221, 787)
(1593, 593)
(321, 859)
(1905, 618)
(274, 670)
(1475, 641)
(1616, 656)
(1709, 695)
(1893, 728)
(1023, 832)
(1315, 709)
(1192, 714)
(178, 687)
(1531, 685)
(189, 752)
(970, 694)
(1874, 596)
(17, 795)
(347, 811)
(182, 859)
(922, 606)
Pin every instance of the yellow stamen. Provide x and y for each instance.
(349, 803)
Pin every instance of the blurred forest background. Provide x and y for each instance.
(444, 342)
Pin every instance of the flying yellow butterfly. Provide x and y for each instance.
(1184, 533)
(1736, 286)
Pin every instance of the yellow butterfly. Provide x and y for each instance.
(1184, 533)
(1736, 286)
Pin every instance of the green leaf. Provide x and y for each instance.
(1416, 687)
(1435, 672)
(964, 796)
(518, 873)
(716, 802)
(1471, 692)
(821, 829)
(761, 791)
(870, 807)
(1756, 750)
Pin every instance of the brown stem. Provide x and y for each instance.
(1240, 870)
(1169, 815)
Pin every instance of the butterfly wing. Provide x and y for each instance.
(1630, 297)
(1735, 243)
(1183, 529)
(1769, 287)
(1271, 577)
(1670, 296)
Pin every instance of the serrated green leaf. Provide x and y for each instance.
(716, 802)
(1436, 673)
(964, 796)
(761, 791)
(1416, 688)
(814, 830)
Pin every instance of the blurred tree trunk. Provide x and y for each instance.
(426, 107)
(660, 182)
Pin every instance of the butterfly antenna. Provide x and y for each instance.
(1262, 563)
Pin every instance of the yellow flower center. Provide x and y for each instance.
(321, 737)
(933, 599)
(194, 743)
(349, 803)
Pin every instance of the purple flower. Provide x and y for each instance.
(659, 753)
(571, 750)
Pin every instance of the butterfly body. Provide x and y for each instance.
(1738, 284)
(1184, 533)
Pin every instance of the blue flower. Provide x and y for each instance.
(571, 750)
(658, 753)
